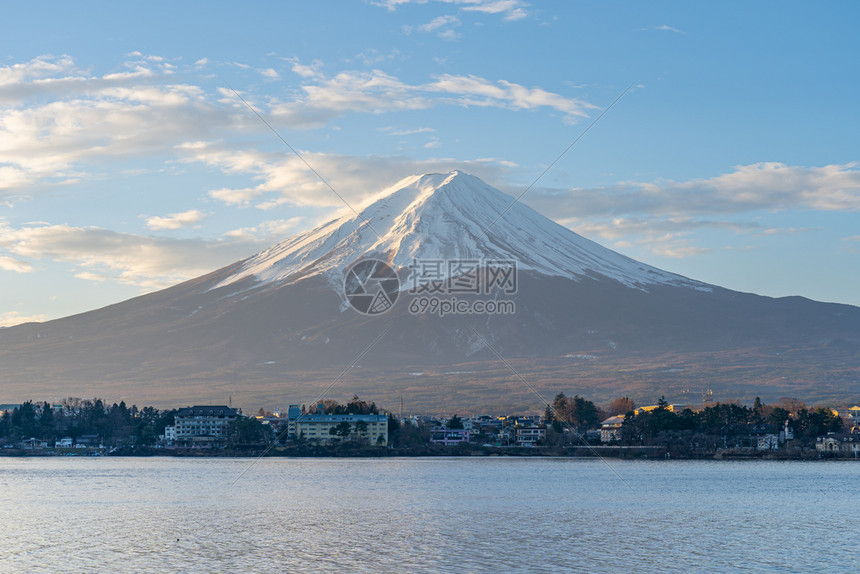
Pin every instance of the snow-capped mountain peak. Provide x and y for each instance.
(452, 216)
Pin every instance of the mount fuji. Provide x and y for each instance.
(279, 327)
(452, 216)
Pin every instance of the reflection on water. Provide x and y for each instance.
(383, 515)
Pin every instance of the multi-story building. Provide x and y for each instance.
(203, 425)
(293, 414)
(530, 436)
(318, 427)
(448, 437)
(610, 429)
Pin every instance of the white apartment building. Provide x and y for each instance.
(317, 427)
(207, 425)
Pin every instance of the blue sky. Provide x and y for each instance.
(127, 164)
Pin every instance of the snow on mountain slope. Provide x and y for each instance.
(444, 217)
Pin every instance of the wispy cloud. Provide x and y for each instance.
(10, 318)
(787, 230)
(286, 179)
(393, 131)
(280, 228)
(148, 262)
(509, 9)
(176, 220)
(305, 70)
(373, 57)
(378, 92)
(61, 125)
(269, 73)
(661, 215)
(10, 264)
(764, 187)
(57, 118)
(667, 28)
(442, 26)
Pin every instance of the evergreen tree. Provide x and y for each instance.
(454, 422)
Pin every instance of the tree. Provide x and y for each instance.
(792, 405)
(341, 429)
(46, 422)
(360, 428)
(547, 415)
(395, 431)
(559, 408)
(621, 406)
(757, 405)
(810, 424)
(662, 419)
(577, 411)
(248, 430)
(454, 422)
(778, 416)
(24, 418)
(355, 406)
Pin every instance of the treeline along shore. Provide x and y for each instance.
(569, 427)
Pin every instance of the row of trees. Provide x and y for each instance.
(114, 424)
(355, 406)
(729, 423)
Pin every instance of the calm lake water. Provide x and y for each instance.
(426, 515)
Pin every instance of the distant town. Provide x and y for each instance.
(570, 426)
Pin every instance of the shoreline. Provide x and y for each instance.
(613, 452)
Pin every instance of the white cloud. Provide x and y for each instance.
(87, 276)
(661, 214)
(440, 22)
(760, 187)
(61, 125)
(269, 73)
(10, 264)
(667, 28)
(306, 70)
(241, 197)
(442, 26)
(176, 220)
(509, 9)
(287, 180)
(148, 262)
(372, 57)
(276, 229)
(787, 230)
(378, 92)
(11, 318)
(394, 131)
(57, 122)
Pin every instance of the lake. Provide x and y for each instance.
(426, 515)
